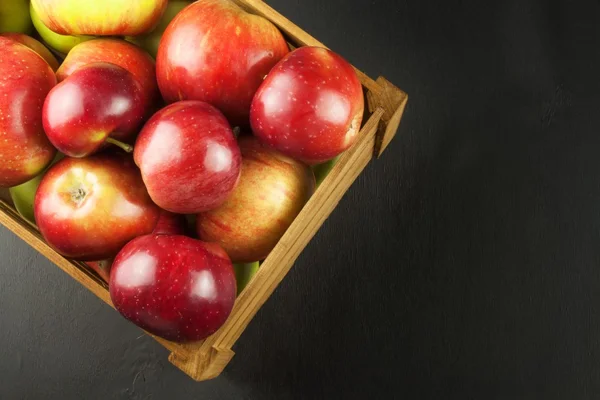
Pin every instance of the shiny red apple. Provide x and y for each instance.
(189, 158)
(36, 46)
(173, 286)
(310, 106)
(168, 224)
(273, 189)
(216, 52)
(98, 103)
(118, 52)
(25, 80)
(89, 208)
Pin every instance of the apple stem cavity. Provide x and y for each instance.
(126, 147)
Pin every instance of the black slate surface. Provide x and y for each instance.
(464, 264)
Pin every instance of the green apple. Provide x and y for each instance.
(150, 41)
(23, 195)
(322, 170)
(14, 16)
(61, 43)
(244, 274)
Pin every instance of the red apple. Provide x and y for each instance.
(167, 224)
(89, 208)
(216, 52)
(273, 189)
(98, 103)
(173, 286)
(25, 80)
(189, 158)
(118, 52)
(35, 46)
(310, 106)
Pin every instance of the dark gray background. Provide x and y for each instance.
(462, 265)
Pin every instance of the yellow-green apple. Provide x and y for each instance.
(118, 52)
(89, 208)
(14, 16)
(189, 158)
(168, 224)
(23, 195)
(310, 106)
(105, 17)
(216, 52)
(35, 46)
(99, 103)
(150, 41)
(25, 80)
(60, 43)
(273, 189)
(173, 286)
(244, 273)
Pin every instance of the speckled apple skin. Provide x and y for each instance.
(34, 45)
(310, 106)
(97, 101)
(118, 52)
(175, 287)
(189, 158)
(89, 208)
(216, 52)
(273, 189)
(25, 80)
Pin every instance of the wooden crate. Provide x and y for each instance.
(207, 359)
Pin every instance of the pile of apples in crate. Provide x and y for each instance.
(166, 172)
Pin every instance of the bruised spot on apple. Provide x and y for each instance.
(310, 106)
(88, 209)
(25, 80)
(216, 52)
(273, 189)
(188, 156)
(96, 103)
(173, 286)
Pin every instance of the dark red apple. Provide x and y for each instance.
(36, 46)
(273, 189)
(167, 224)
(25, 80)
(97, 104)
(118, 52)
(173, 286)
(89, 208)
(216, 52)
(189, 158)
(310, 106)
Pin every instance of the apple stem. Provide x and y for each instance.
(126, 147)
(236, 131)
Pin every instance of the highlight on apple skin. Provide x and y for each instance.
(89, 208)
(173, 286)
(60, 43)
(310, 106)
(25, 80)
(118, 52)
(99, 103)
(273, 189)
(105, 18)
(189, 158)
(216, 52)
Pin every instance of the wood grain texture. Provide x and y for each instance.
(207, 359)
